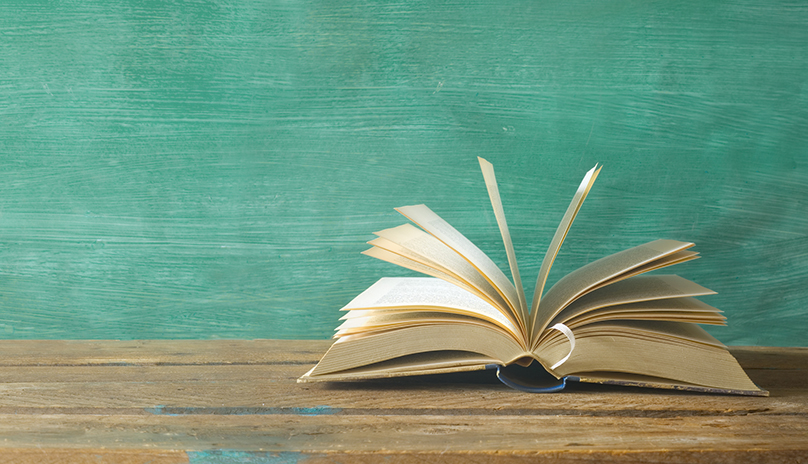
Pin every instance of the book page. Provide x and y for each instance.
(679, 352)
(645, 381)
(674, 333)
(393, 258)
(426, 219)
(555, 244)
(635, 289)
(382, 321)
(686, 309)
(432, 362)
(665, 261)
(584, 279)
(499, 213)
(417, 245)
(362, 350)
(420, 293)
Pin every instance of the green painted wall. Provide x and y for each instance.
(212, 169)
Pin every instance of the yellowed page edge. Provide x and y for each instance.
(499, 213)
(558, 239)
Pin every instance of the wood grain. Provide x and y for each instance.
(236, 401)
(212, 169)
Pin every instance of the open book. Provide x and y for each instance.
(607, 322)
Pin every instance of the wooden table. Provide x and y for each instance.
(238, 401)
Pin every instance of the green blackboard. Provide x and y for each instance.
(211, 169)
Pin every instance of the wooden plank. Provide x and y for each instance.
(251, 386)
(430, 431)
(143, 352)
(95, 456)
(102, 456)
(72, 383)
(225, 401)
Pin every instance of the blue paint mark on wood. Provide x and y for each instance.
(249, 457)
(243, 411)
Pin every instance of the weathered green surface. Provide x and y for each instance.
(212, 168)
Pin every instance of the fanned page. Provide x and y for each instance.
(433, 257)
(661, 292)
(499, 213)
(393, 258)
(555, 245)
(426, 219)
(596, 274)
(686, 309)
(418, 300)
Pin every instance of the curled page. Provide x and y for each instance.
(567, 333)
